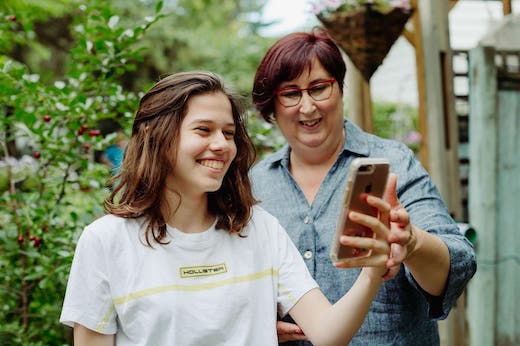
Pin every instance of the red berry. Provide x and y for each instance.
(37, 154)
(20, 239)
(46, 118)
(86, 146)
(12, 18)
(82, 129)
(37, 242)
(94, 133)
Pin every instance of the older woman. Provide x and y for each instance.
(299, 85)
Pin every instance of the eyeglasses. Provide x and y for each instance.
(319, 91)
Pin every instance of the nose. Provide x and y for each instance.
(219, 142)
(307, 105)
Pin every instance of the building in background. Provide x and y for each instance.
(395, 80)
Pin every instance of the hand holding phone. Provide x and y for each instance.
(367, 176)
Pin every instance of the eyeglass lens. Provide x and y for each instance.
(320, 91)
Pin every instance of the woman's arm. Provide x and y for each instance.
(87, 337)
(425, 255)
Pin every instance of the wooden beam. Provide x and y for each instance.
(452, 4)
(506, 7)
(421, 89)
(359, 98)
(409, 36)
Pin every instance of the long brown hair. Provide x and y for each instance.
(140, 186)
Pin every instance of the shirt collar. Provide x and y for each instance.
(356, 140)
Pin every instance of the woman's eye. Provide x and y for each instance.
(318, 87)
(202, 129)
(290, 93)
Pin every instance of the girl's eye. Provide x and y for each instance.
(202, 129)
(229, 134)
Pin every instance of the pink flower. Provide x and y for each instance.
(315, 9)
(413, 137)
(404, 4)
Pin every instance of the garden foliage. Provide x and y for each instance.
(52, 188)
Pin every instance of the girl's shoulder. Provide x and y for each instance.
(260, 214)
(109, 224)
(262, 222)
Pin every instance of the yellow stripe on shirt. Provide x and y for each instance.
(102, 325)
(199, 287)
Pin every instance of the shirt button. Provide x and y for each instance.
(306, 220)
(307, 254)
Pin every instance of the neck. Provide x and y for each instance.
(323, 156)
(310, 168)
(187, 213)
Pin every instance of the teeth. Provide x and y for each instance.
(212, 163)
(310, 122)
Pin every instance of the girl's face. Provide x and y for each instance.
(311, 124)
(206, 145)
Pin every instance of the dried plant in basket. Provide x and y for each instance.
(366, 35)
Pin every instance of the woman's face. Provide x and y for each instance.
(311, 124)
(206, 145)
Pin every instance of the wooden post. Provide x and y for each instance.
(508, 203)
(421, 88)
(482, 194)
(359, 98)
(429, 14)
(506, 7)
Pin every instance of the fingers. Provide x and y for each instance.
(377, 245)
(400, 227)
(382, 206)
(398, 254)
(289, 331)
(374, 260)
(377, 258)
(400, 216)
(391, 273)
(380, 229)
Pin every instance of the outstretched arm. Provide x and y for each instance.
(326, 324)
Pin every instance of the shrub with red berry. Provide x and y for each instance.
(48, 135)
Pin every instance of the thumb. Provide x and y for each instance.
(391, 191)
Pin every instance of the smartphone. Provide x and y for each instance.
(366, 176)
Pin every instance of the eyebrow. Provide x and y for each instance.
(315, 81)
(209, 122)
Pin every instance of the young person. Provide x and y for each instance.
(299, 85)
(183, 256)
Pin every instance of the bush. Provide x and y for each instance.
(51, 193)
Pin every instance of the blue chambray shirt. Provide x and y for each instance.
(402, 313)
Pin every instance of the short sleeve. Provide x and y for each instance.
(294, 277)
(88, 300)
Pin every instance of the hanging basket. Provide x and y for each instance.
(366, 35)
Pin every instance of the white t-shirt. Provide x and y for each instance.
(209, 288)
